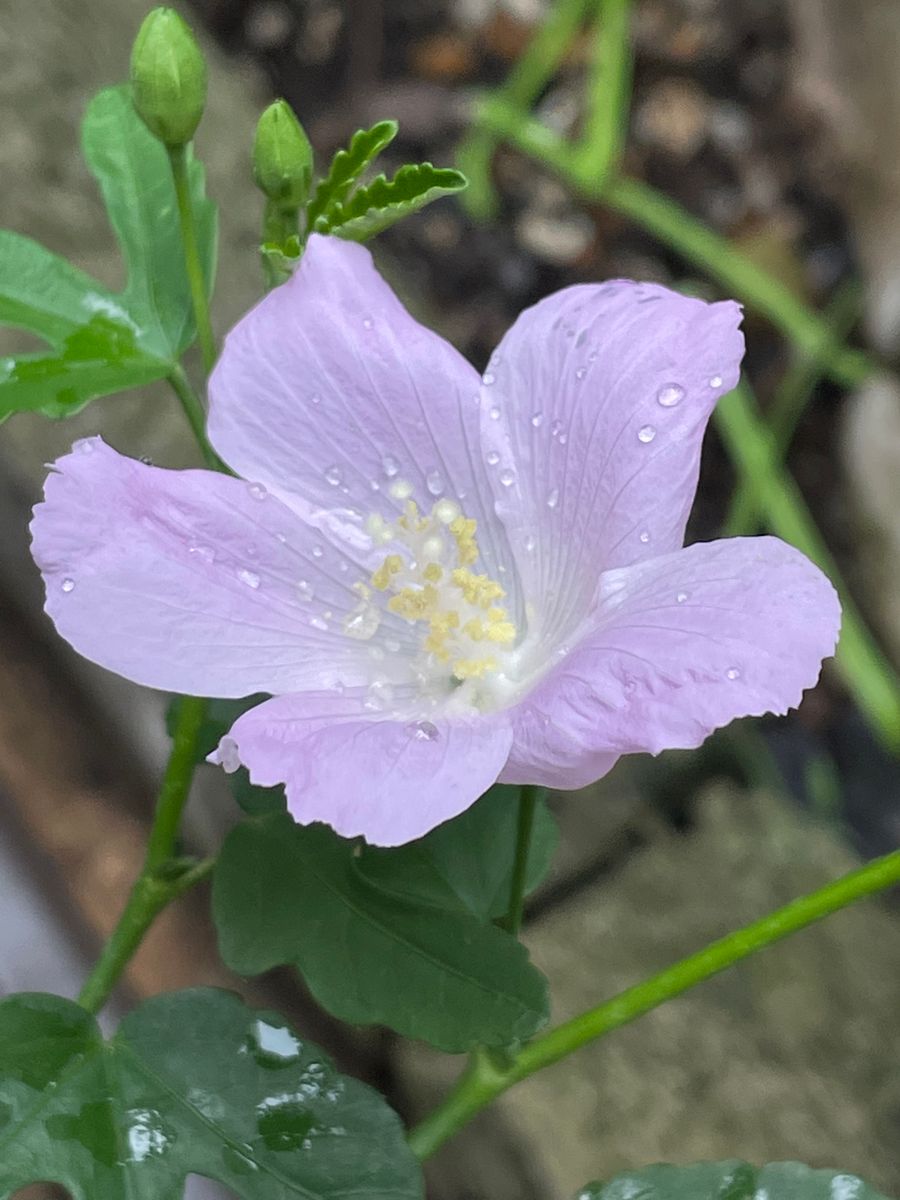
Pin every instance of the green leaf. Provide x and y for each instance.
(193, 1082)
(731, 1180)
(133, 171)
(94, 339)
(384, 201)
(347, 166)
(466, 863)
(289, 894)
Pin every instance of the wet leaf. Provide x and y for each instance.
(371, 949)
(731, 1180)
(192, 1083)
(381, 203)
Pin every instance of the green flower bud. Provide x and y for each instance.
(282, 157)
(168, 77)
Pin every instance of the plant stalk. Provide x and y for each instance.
(486, 1076)
(193, 266)
(512, 922)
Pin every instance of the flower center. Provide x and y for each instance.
(427, 580)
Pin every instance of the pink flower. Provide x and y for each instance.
(441, 580)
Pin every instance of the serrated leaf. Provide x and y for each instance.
(133, 171)
(192, 1083)
(381, 203)
(466, 863)
(731, 1180)
(347, 166)
(289, 894)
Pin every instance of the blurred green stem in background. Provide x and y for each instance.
(590, 167)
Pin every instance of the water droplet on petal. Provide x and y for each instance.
(85, 446)
(581, 372)
(563, 438)
(257, 491)
(379, 695)
(671, 395)
(716, 381)
(556, 428)
(507, 477)
(68, 585)
(249, 577)
(319, 623)
(733, 673)
(317, 551)
(315, 399)
(367, 322)
(646, 434)
(333, 475)
(488, 378)
(644, 537)
(530, 542)
(537, 420)
(423, 731)
(492, 458)
(228, 755)
(553, 498)
(206, 553)
(390, 465)
(681, 597)
(434, 482)
(494, 413)
(305, 589)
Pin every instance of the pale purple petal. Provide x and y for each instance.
(329, 392)
(680, 646)
(192, 581)
(594, 409)
(388, 779)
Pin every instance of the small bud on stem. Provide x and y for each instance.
(282, 157)
(168, 77)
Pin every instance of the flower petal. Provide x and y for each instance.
(680, 646)
(593, 414)
(388, 779)
(328, 390)
(192, 581)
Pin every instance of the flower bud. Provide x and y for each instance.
(282, 157)
(168, 77)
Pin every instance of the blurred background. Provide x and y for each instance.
(775, 124)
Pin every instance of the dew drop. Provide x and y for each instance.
(305, 589)
(733, 673)
(315, 399)
(434, 482)
(494, 413)
(379, 695)
(257, 491)
(553, 498)
(507, 477)
(229, 756)
(537, 420)
(317, 551)
(716, 381)
(492, 458)
(86, 446)
(646, 434)
(319, 623)
(390, 466)
(530, 543)
(563, 438)
(367, 322)
(581, 372)
(68, 585)
(333, 475)
(249, 577)
(671, 395)
(206, 553)
(644, 537)
(681, 597)
(488, 378)
(556, 428)
(363, 624)
(423, 731)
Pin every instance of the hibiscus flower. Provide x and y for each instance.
(440, 579)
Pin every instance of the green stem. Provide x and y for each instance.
(869, 676)
(486, 1077)
(196, 417)
(149, 896)
(156, 886)
(178, 157)
(528, 798)
(608, 93)
(793, 394)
